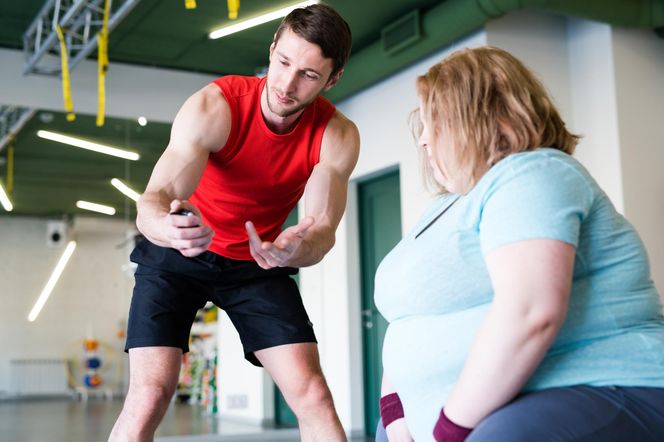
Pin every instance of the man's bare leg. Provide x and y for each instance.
(153, 376)
(296, 370)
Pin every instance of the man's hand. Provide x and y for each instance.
(284, 250)
(397, 431)
(186, 232)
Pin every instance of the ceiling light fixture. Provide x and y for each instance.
(4, 200)
(250, 23)
(94, 207)
(126, 190)
(48, 288)
(101, 148)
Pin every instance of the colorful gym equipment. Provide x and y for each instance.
(94, 368)
(92, 362)
(197, 383)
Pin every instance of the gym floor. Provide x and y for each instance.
(68, 420)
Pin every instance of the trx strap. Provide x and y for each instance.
(102, 65)
(233, 8)
(66, 86)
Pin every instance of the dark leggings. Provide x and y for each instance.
(579, 413)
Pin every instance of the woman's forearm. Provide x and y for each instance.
(532, 283)
(506, 352)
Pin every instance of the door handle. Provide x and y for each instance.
(367, 318)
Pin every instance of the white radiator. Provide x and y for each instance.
(40, 377)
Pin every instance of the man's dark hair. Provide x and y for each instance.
(323, 26)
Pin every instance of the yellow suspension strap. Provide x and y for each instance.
(102, 65)
(233, 8)
(190, 4)
(66, 85)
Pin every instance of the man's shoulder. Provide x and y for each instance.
(209, 100)
(341, 142)
(204, 119)
(237, 85)
(340, 125)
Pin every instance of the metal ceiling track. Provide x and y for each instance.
(12, 120)
(80, 20)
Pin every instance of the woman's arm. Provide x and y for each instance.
(397, 429)
(531, 281)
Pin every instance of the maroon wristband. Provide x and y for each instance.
(447, 431)
(390, 409)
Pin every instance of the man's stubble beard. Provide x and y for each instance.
(287, 112)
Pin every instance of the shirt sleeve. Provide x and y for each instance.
(536, 198)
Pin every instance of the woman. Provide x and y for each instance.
(521, 306)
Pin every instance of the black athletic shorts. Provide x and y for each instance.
(265, 306)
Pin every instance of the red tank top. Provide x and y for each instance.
(258, 175)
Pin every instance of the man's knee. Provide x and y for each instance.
(153, 378)
(308, 395)
(150, 398)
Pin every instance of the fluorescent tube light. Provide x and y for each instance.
(126, 190)
(4, 200)
(83, 144)
(250, 23)
(48, 288)
(94, 207)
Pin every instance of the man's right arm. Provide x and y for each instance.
(200, 128)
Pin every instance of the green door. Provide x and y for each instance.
(283, 415)
(380, 230)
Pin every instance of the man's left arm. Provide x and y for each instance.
(325, 194)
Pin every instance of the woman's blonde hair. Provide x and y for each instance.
(487, 105)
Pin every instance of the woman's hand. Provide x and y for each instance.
(447, 431)
(398, 431)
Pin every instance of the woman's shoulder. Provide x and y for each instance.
(542, 176)
(541, 158)
(536, 165)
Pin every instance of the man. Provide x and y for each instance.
(242, 152)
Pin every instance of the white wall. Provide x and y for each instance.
(92, 295)
(639, 75)
(594, 114)
(541, 42)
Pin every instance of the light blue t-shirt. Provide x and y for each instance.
(435, 291)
